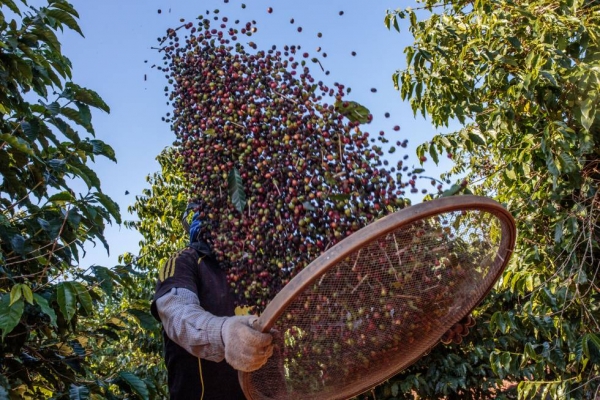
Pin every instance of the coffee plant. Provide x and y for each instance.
(521, 78)
(52, 325)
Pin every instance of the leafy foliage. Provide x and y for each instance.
(158, 213)
(51, 310)
(521, 78)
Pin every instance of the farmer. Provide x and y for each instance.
(204, 343)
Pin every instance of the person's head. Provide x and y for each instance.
(195, 228)
(192, 224)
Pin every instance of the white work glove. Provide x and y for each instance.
(246, 349)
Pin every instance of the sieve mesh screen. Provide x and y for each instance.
(382, 307)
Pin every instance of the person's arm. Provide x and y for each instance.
(190, 326)
(213, 338)
(176, 304)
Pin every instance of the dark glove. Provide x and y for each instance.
(246, 349)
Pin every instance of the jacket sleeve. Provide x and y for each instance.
(189, 325)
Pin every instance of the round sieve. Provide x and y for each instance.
(377, 301)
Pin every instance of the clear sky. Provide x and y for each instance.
(120, 34)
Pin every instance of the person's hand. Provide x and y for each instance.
(246, 349)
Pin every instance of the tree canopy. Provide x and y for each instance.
(54, 318)
(521, 81)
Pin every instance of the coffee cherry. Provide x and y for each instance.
(306, 176)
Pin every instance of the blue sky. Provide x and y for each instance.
(120, 34)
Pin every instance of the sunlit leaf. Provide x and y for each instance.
(10, 315)
(65, 18)
(236, 189)
(354, 111)
(45, 307)
(145, 319)
(84, 297)
(136, 384)
(66, 295)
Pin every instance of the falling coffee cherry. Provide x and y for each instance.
(263, 154)
(159, 11)
(270, 10)
(373, 90)
(341, 13)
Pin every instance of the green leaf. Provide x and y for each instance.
(13, 7)
(15, 294)
(590, 338)
(66, 129)
(387, 20)
(53, 108)
(48, 37)
(24, 68)
(85, 173)
(62, 197)
(135, 383)
(75, 116)
(45, 225)
(434, 154)
(18, 244)
(66, 296)
(16, 142)
(588, 113)
(66, 7)
(354, 111)
(79, 392)
(145, 319)
(85, 115)
(308, 206)
(454, 189)
(57, 164)
(567, 163)
(64, 18)
(111, 206)
(10, 315)
(30, 130)
(510, 172)
(477, 139)
(338, 197)
(99, 147)
(85, 96)
(236, 189)
(558, 231)
(27, 293)
(550, 78)
(82, 175)
(106, 278)
(45, 307)
(83, 295)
